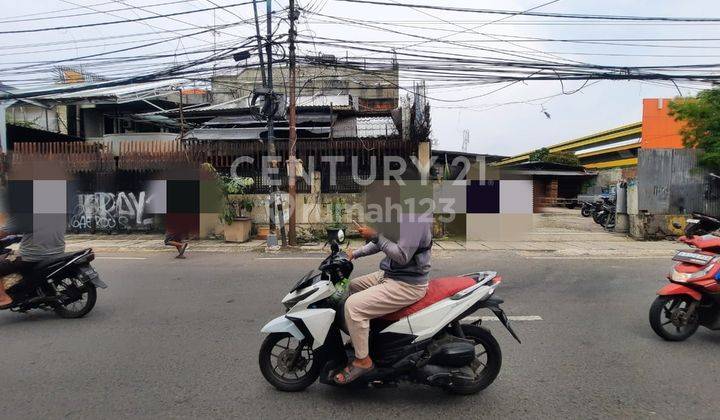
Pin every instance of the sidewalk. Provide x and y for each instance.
(543, 243)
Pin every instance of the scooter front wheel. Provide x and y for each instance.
(287, 363)
(669, 320)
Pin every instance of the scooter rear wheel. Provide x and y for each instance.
(277, 354)
(666, 318)
(82, 305)
(488, 360)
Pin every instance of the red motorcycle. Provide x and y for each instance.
(692, 298)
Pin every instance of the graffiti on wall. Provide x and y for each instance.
(111, 212)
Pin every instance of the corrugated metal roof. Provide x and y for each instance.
(303, 102)
(249, 120)
(369, 127)
(246, 133)
(237, 103)
(116, 92)
(336, 101)
(365, 127)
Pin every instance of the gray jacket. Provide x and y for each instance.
(402, 262)
(45, 239)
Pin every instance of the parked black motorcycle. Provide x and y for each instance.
(606, 216)
(597, 211)
(611, 218)
(66, 284)
(587, 208)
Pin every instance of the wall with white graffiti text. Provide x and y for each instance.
(111, 212)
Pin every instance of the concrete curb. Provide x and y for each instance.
(576, 247)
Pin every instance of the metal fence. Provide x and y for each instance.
(670, 182)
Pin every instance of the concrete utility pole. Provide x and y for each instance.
(271, 106)
(292, 123)
(259, 45)
(271, 239)
(182, 117)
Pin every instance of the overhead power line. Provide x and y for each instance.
(123, 9)
(538, 14)
(169, 73)
(530, 23)
(115, 22)
(51, 12)
(103, 38)
(355, 22)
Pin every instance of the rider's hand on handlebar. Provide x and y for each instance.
(349, 253)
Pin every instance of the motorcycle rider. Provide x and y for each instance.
(36, 209)
(401, 281)
(45, 240)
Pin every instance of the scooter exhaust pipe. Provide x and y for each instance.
(441, 375)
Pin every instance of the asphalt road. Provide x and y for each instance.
(179, 339)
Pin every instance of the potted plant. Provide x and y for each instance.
(236, 210)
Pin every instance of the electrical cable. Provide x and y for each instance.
(35, 19)
(538, 14)
(88, 25)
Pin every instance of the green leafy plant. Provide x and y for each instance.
(337, 211)
(544, 155)
(701, 116)
(26, 124)
(232, 186)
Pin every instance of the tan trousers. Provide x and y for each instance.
(372, 296)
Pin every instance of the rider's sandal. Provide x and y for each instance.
(7, 306)
(181, 253)
(351, 373)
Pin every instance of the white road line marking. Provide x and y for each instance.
(511, 318)
(121, 258)
(288, 258)
(597, 257)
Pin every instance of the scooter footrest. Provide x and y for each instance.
(382, 384)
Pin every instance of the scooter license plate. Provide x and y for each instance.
(693, 257)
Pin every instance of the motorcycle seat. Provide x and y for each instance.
(702, 242)
(57, 258)
(438, 289)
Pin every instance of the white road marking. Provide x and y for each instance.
(121, 258)
(511, 318)
(288, 258)
(598, 257)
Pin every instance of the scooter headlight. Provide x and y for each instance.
(684, 277)
(678, 276)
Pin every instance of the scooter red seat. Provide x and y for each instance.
(438, 289)
(705, 242)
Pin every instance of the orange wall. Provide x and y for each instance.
(659, 130)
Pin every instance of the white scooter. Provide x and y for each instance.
(424, 343)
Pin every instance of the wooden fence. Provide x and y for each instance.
(75, 156)
(143, 156)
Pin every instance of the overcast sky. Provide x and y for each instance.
(506, 122)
